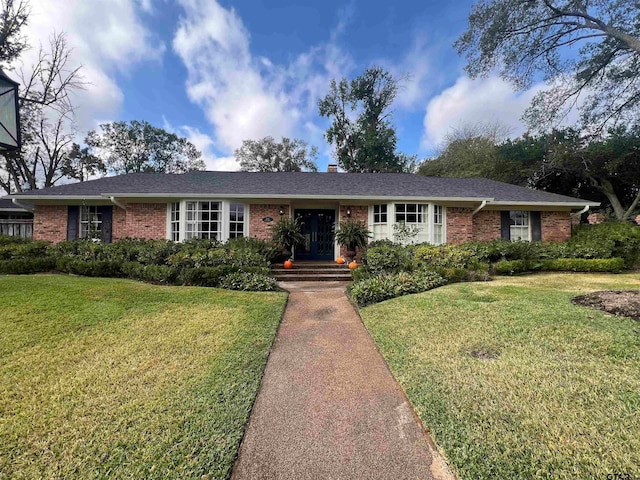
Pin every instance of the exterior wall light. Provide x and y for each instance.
(9, 116)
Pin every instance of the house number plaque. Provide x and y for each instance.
(267, 219)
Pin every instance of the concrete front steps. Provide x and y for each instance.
(312, 272)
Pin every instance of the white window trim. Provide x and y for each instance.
(529, 226)
(224, 209)
(429, 212)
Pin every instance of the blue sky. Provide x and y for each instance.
(220, 72)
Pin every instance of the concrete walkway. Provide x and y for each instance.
(328, 407)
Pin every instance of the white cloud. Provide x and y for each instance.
(475, 102)
(415, 73)
(247, 97)
(224, 79)
(105, 36)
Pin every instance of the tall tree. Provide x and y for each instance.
(13, 17)
(587, 50)
(471, 150)
(46, 119)
(608, 167)
(362, 133)
(138, 146)
(267, 155)
(80, 164)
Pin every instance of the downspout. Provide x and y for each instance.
(17, 203)
(115, 202)
(482, 205)
(585, 209)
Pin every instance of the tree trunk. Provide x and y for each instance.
(606, 187)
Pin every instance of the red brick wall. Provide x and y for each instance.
(556, 226)
(258, 228)
(50, 223)
(486, 225)
(140, 220)
(459, 225)
(360, 213)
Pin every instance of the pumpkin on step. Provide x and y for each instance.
(288, 264)
(353, 265)
(340, 261)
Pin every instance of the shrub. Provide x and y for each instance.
(497, 250)
(383, 287)
(31, 249)
(612, 265)
(11, 240)
(444, 256)
(509, 267)
(268, 250)
(388, 257)
(608, 240)
(247, 281)
(90, 268)
(23, 266)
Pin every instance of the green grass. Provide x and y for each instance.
(562, 398)
(103, 378)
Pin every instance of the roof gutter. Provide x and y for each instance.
(117, 203)
(17, 203)
(482, 205)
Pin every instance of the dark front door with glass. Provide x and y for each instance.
(317, 228)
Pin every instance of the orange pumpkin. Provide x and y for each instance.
(353, 265)
(288, 264)
(340, 261)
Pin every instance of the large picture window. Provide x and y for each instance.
(203, 220)
(519, 225)
(408, 222)
(90, 221)
(210, 219)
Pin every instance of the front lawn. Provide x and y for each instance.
(104, 378)
(514, 381)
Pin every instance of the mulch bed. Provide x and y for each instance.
(623, 303)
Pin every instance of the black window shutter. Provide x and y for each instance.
(73, 212)
(107, 215)
(505, 225)
(536, 227)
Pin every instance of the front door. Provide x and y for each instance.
(317, 228)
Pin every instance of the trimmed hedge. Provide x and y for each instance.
(24, 266)
(383, 287)
(247, 281)
(611, 265)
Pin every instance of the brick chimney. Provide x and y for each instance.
(332, 168)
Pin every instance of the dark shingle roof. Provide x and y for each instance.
(7, 205)
(292, 184)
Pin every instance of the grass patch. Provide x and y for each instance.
(514, 381)
(104, 378)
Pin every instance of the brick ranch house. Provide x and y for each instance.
(225, 205)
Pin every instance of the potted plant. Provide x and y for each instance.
(286, 233)
(352, 235)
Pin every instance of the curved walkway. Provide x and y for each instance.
(328, 407)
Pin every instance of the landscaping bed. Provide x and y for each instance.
(109, 378)
(513, 380)
(622, 303)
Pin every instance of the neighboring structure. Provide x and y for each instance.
(15, 220)
(226, 205)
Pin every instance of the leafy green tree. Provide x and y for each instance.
(81, 164)
(138, 146)
(267, 155)
(472, 150)
(609, 168)
(584, 49)
(361, 129)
